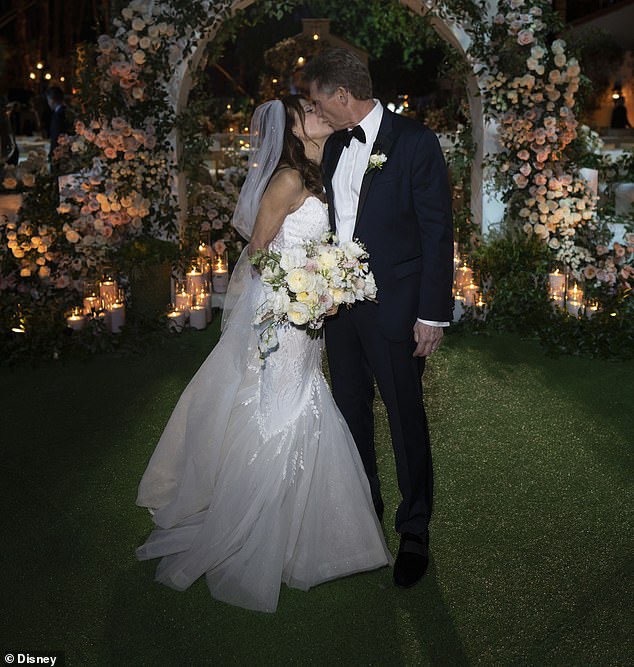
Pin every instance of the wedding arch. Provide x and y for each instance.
(521, 92)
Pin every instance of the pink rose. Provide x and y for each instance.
(524, 37)
(590, 272)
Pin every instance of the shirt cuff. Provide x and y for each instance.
(433, 323)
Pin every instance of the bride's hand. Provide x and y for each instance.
(332, 311)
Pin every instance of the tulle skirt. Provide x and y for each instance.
(256, 479)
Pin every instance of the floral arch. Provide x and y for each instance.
(521, 93)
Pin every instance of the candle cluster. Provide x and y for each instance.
(466, 291)
(103, 300)
(567, 295)
(192, 297)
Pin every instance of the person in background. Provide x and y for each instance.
(58, 124)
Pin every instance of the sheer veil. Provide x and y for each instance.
(266, 141)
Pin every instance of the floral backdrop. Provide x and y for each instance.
(115, 195)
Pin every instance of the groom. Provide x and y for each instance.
(386, 184)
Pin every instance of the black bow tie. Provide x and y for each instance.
(345, 136)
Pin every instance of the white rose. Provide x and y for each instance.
(293, 258)
(298, 313)
(300, 280)
(352, 250)
(279, 301)
(338, 296)
(370, 287)
(327, 258)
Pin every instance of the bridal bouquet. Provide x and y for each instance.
(304, 282)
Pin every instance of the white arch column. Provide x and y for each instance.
(487, 209)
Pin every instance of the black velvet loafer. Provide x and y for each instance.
(412, 560)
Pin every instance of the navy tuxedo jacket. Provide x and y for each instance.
(404, 220)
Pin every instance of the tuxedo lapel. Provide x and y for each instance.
(383, 144)
(332, 153)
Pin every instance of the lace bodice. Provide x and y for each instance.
(290, 375)
(308, 222)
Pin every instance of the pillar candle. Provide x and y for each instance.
(91, 304)
(76, 322)
(470, 292)
(573, 307)
(176, 320)
(464, 276)
(195, 281)
(557, 283)
(108, 291)
(198, 317)
(220, 280)
(116, 314)
(458, 309)
(183, 301)
(204, 299)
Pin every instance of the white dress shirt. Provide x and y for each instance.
(348, 176)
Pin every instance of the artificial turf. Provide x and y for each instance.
(531, 536)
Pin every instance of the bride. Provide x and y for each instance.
(256, 479)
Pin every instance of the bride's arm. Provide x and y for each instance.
(283, 195)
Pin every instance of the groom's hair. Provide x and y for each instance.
(339, 67)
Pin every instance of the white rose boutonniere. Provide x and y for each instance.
(376, 161)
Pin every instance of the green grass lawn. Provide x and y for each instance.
(531, 536)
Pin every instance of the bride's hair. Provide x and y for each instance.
(293, 153)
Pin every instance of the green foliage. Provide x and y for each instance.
(376, 25)
(513, 269)
(137, 254)
(607, 335)
(48, 339)
(460, 161)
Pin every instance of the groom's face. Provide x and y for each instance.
(332, 108)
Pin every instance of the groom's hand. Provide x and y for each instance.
(427, 339)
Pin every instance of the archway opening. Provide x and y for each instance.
(479, 211)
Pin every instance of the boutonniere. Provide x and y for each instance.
(376, 161)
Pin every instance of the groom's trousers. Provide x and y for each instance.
(357, 355)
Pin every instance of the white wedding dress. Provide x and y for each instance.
(256, 479)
